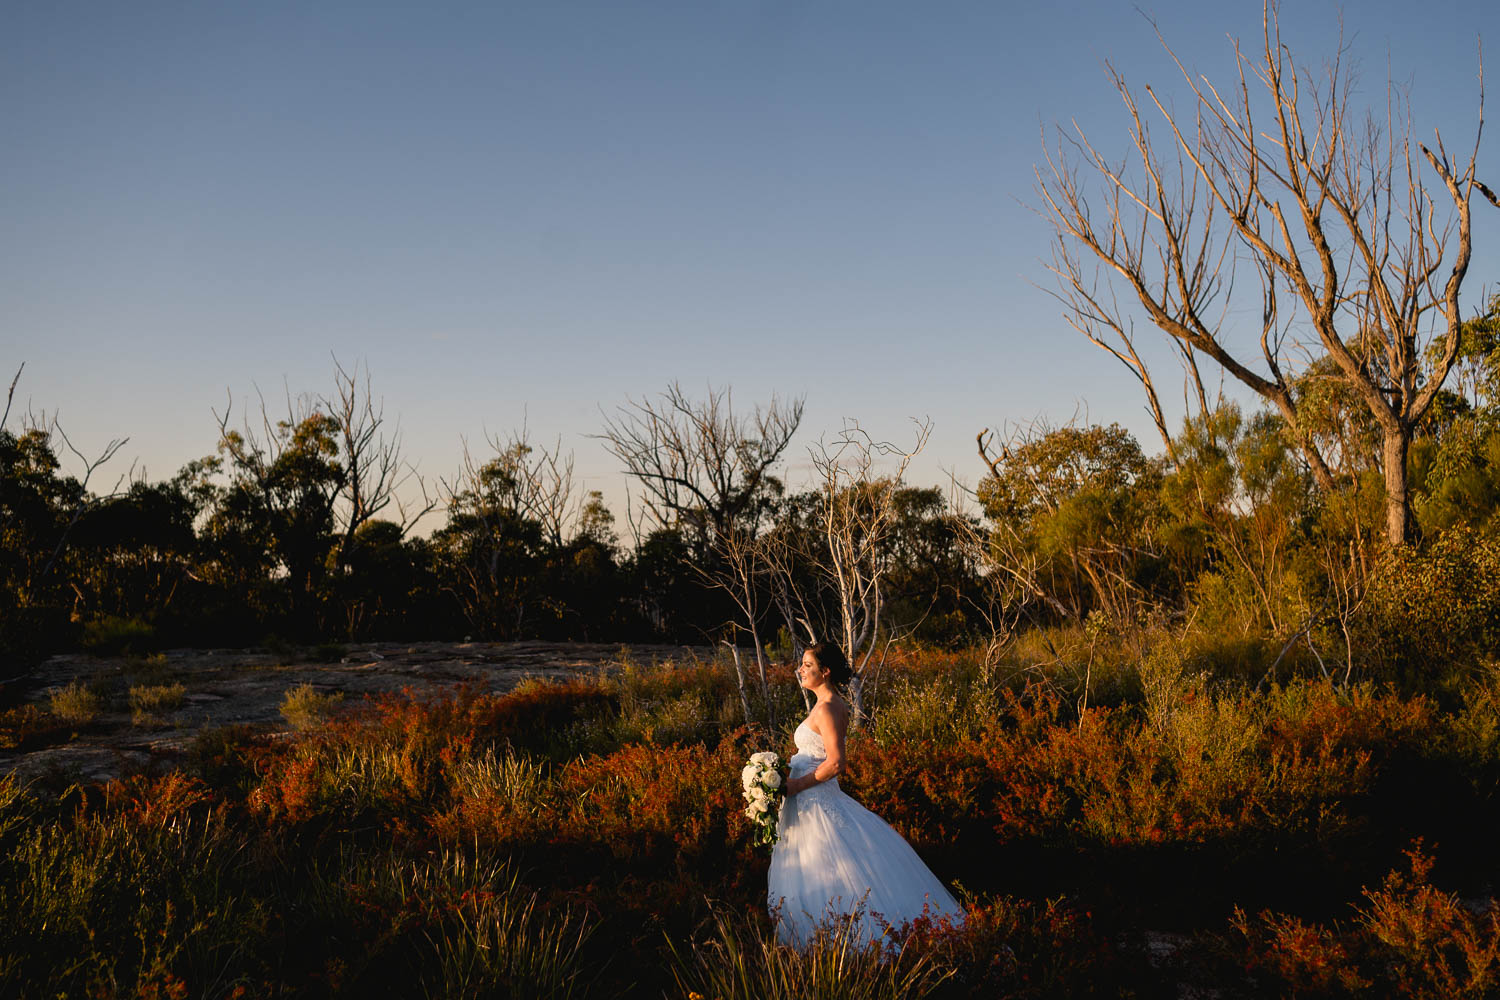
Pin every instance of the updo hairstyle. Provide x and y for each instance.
(830, 658)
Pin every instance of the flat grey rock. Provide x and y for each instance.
(246, 686)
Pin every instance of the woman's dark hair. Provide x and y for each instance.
(831, 659)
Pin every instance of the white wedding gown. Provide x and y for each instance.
(835, 857)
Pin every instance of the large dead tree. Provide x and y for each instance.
(1352, 240)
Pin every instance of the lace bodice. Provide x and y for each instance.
(809, 743)
(810, 750)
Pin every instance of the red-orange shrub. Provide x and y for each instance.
(27, 727)
(156, 801)
(1409, 939)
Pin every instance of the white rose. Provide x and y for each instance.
(764, 757)
(773, 779)
(749, 775)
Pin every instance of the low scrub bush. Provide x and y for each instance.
(551, 718)
(148, 669)
(27, 727)
(151, 703)
(1013, 948)
(76, 704)
(448, 924)
(144, 897)
(304, 706)
(1439, 605)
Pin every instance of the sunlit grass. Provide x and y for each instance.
(741, 959)
(304, 706)
(150, 704)
(77, 703)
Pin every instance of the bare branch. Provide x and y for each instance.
(1339, 219)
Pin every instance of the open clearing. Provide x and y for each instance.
(246, 686)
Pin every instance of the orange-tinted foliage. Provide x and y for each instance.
(1409, 939)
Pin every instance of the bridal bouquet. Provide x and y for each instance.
(765, 787)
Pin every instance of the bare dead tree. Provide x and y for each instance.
(707, 472)
(1347, 237)
(86, 502)
(701, 468)
(374, 473)
(11, 395)
(857, 479)
(545, 489)
(743, 571)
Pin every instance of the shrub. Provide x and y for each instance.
(111, 635)
(914, 710)
(304, 706)
(148, 669)
(453, 923)
(1013, 948)
(1408, 939)
(225, 756)
(76, 703)
(1428, 609)
(498, 941)
(329, 652)
(148, 702)
(27, 727)
(540, 716)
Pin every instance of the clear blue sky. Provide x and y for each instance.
(530, 211)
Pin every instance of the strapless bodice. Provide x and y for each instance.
(810, 750)
(808, 741)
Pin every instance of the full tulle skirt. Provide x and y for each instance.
(837, 859)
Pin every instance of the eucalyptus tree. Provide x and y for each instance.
(1354, 242)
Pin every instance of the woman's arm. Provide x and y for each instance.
(831, 727)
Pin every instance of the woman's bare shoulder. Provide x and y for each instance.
(834, 712)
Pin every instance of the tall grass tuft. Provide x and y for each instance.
(509, 776)
(150, 703)
(501, 943)
(122, 903)
(450, 924)
(741, 960)
(304, 706)
(76, 704)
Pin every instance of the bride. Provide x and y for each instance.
(834, 858)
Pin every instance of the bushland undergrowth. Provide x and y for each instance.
(585, 839)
